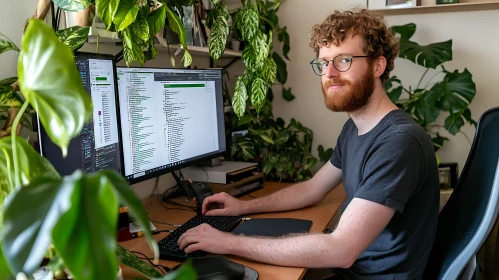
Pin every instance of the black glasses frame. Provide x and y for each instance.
(318, 60)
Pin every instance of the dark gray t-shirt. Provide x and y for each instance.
(394, 164)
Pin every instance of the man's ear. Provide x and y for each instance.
(379, 66)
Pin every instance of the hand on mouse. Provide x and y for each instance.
(205, 238)
(222, 204)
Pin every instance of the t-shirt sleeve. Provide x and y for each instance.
(393, 169)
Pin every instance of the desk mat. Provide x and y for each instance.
(273, 227)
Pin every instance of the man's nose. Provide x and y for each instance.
(331, 71)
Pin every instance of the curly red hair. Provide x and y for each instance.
(379, 39)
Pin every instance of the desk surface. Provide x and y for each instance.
(321, 215)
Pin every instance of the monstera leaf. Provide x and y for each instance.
(429, 56)
(457, 90)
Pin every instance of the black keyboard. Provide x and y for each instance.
(168, 246)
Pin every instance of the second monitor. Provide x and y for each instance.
(170, 118)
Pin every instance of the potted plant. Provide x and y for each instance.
(68, 219)
(424, 103)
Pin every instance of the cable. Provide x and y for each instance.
(163, 269)
(206, 172)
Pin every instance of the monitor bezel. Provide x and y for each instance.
(160, 172)
(41, 129)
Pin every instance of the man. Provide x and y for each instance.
(385, 160)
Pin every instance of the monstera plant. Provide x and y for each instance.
(72, 220)
(425, 103)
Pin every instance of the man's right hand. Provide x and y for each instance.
(222, 204)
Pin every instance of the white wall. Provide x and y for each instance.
(308, 107)
(475, 42)
(12, 19)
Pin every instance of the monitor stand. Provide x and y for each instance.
(183, 188)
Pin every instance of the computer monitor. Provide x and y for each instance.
(170, 118)
(97, 147)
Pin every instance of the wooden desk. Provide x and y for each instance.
(321, 215)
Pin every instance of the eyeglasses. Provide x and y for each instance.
(342, 63)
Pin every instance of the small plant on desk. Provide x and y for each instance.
(72, 220)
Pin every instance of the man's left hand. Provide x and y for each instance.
(205, 238)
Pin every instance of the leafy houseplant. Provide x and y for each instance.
(76, 214)
(283, 151)
(424, 104)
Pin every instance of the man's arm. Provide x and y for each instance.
(300, 195)
(359, 226)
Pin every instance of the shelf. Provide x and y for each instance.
(443, 8)
(198, 51)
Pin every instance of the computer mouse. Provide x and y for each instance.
(217, 268)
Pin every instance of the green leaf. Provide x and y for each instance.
(405, 31)
(4, 268)
(106, 9)
(27, 231)
(453, 123)
(283, 136)
(219, 10)
(310, 162)
(286, 94)
(31, 164)
(394, 94)
(125, 15)
(429, 56)
(152, 52)
(426, 108)
(283, 36)
(438, 141)
(73, 37)
(258, 93)
(218, 38)
(51, 83)
(260, 46)
(131, 260)
(249, 58)
(467, 117)
(176, 26)
(240, 97)
(71, 5)
(458, 90)
(140, 28)
(247, 118)
(326, 155)
(187, 58)
(6, 45)
(267, 71)
(246, 22)
(282, 72)
(87, 230)
(132, 50)
(127, 197)
(156, 20)
(9, 97)
(215, 1)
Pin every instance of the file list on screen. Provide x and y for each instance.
(168, 117)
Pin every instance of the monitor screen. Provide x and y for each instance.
(170, 118)
(97, 147)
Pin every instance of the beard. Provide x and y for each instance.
(352, 96)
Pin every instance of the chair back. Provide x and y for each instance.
(471, 211)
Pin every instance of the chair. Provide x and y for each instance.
(468, 217)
